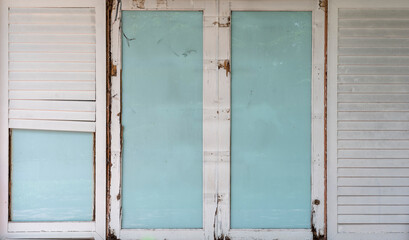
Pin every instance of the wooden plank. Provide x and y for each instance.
(53, 105)
(52, 95)
(373, 79)
(373, 182)
(373, 23)
(52, 125)
(51, 67)
(381, 135)
(373, 98)
(51, 38)
(52, 85)
(372, 70)
(376, 116)
(51, 48)
(50, 76)
(360, 13)
(373, 106)
(53, 10)
(374, 200)
(52, 57)
(373, 219)
(374, 32)
(52, 28)
(51, 115)
(373, 153)
(373, 88)
(381, 163)
(373, 172)
(374, 60)
(378, 125)
(373, 51)
(373, 191)
(372, 42)
(373, 210)
(373, 228)
(53, 19)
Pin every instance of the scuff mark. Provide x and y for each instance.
(138, 4)
(189, 51)
(128, 40)
(161, 3)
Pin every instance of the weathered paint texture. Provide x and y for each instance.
(52, 176)
(162, 118)
(271, 120)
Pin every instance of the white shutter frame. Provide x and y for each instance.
(87, 100)
(360, 149)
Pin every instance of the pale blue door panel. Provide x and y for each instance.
(162, 85)
(52, 175)
(271, 120)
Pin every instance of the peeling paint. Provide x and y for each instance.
(225, 65)
(138, 4)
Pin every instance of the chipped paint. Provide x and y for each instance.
(138, 4)
(225, 65)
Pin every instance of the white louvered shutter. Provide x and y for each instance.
(52, 68)
(369, 170)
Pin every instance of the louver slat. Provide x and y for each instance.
(373, 128)
(52, 68)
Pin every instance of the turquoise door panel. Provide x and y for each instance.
(162, 85)
(271, 120)
(52, 175)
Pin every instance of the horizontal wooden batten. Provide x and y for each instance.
(76, 126)
(51, 115)
(373, 182)
(51, 38)
(373, 172)
(45, 76)
(373, 218)
(51, 66)
(374, 228)
(53, 95)
(380, 163)
(86, 106)
(52, 85)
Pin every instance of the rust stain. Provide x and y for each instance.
(139, 3)
(113, 70)
(118, 197)
(225, 65)
(110, 8)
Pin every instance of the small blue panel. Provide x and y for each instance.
(52, 176)
(271, 120)
(162, 85)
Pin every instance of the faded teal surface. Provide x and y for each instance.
(162, 84)
(271, 120)
(52, 176)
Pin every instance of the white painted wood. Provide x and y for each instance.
(317, 164)
(47, 226)
(290, 234)
(74, 126)
(52, 95)
(4, 128)
(368, 173)
(171, 234)
(55, 51)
